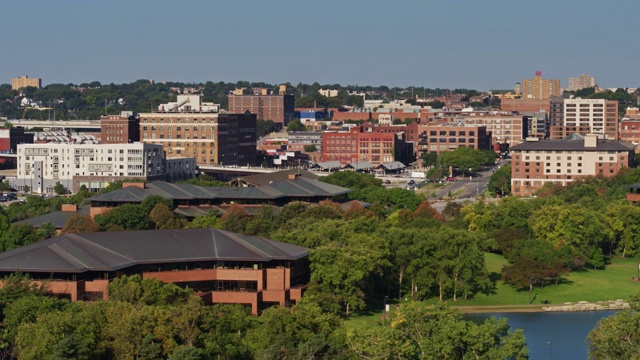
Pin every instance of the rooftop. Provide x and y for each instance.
(111, 251)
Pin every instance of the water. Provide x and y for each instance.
(552, 335)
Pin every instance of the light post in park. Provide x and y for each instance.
(386, 306)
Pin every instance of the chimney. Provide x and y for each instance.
(135, 184)
(69, 208)
(591, 141)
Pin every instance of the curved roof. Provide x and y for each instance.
(110, 251)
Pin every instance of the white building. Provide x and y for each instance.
(41, 166)
(189, 103)
(328, 92)
(600, 115)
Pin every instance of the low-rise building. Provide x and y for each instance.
(223, 267)
(120, 129)
(448, 137)
(536, 162)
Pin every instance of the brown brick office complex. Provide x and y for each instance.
(211, 138)
(223, 267)
(279, 108)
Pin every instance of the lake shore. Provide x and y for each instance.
(566, 307)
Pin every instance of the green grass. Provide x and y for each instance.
(612, 283)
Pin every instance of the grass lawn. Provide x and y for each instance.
(612, 283)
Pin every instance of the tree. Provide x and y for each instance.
(421, 331)
(235, 219)
(352, 180)
(295, 125)
(342, 268)
(264, 127)
(209, 221)
(310, 148)
(500, 181)
(79, 223)
(617, 336)
(124, 217)
(429, 159)
(60, 189)
(164, 218)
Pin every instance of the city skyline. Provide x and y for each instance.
(462, 44)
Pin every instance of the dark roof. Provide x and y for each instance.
(266, 179)
(394, 165)
(58, 218)
(111, 251)
(328, 165)
(299, 187)
(360, 165)
(573, 145)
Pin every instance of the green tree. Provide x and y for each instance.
(235, 219)
(264, 127)
(124, 217)
(164, 218)
(310, 148)
(429, 159)
(500, 181)
(209, 221)
(617, 336)
(352, 180)
(60, 189)
(295, 125)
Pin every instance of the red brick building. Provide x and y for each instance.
(376, 144)
(535, 162)
(279, 108)
(630, 132)
(221, 266)
(119, 129)
(448, 137)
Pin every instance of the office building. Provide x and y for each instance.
(24, 81)
(535, 162)
(223, 267)
(448, 137)
(539, 88)
(211, 138)
(598, 115)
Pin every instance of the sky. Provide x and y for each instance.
(483, 45)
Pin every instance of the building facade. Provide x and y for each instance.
(525, 105)
(599, 115)
(448, 137)
(211, 138)
(41, 166)
(535, 162)
(278, 108)
(119, 129)
(539, 88)
(368, 142)
(630, 132)
(24, 81)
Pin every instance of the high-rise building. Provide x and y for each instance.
(581, 82)
(278, 108)
(539, 88)
(24, 81)
(119, 129)
(599, 115)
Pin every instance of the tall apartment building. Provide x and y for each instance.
(211, 138)
(599, 115)
(506, 129)
(535, 162)
(41, 166)
(556, 112)
(24, 81)
(278, 108)
(581, 82)
(119, 129)
(539, 88)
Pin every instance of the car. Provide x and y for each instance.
(11, 196)
(412, 182)
(450, 178)
(387, 181)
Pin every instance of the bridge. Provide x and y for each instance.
(57, 124)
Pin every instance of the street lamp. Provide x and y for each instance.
(386, 308)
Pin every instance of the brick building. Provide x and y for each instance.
(119, 129)
(539, 88)
(368, 142)
(448, 137)
(225, 139)
(535, 162)
(525, 105)
(221, 266)
(24, 81)
(630, 132)
(278, 108)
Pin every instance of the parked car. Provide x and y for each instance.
(412, 182)
(450, 178)
(387, 181)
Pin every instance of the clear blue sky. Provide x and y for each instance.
(450, 43)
